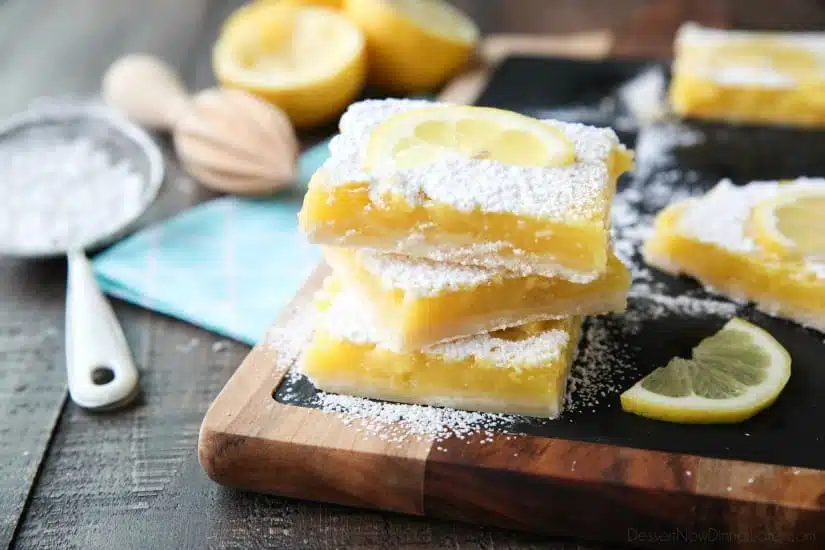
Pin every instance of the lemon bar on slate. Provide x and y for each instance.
(520, 370)
(469, 185)
(749, 76)
(414, 303)
(763, 242)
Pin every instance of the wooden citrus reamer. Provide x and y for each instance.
(228, 139)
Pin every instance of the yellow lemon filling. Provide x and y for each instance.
(530, 214)
(754, 77)
(713, 240)
(521, 370)
(415, 303)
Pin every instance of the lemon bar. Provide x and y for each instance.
(414, 303)
(763, 242)
(469, 185)
(520, 370)
(749, 76)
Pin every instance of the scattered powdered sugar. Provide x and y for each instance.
(220, 346)
(288, 340)
(398, 422)
(606, 362)
(60, 194)
(188, 346)
(644, 95)
(565, 192)
(602, 365)
(656, 146)
(659, 305)
(537, 349)
(656, 183)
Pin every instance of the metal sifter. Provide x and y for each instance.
(56, 203)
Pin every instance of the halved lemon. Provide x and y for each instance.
(791, 225)
(426, 135)
(309, 61)
(414, 45)
(732, 375)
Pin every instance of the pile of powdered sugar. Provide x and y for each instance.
(60, 194)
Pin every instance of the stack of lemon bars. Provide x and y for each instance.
(466, 246)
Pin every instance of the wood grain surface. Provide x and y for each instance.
(69, 479)
(609, 493)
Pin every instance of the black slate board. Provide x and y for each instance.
(791, 432)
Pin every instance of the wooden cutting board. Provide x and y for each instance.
(553, 485)
(556, 486)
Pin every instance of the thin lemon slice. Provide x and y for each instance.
(414, 45)
(791, 225)
(732, 375)
(308, 60)
(426, 135)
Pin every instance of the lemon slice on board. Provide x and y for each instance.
(426, 135)
(414, 45)
(791, 225)
(732, 375)
(309, 61)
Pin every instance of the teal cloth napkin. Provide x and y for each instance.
(229, 265)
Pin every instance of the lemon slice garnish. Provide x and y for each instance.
(414, 45)
(791, 225)
(429, 134)
(310, 61)
(731, 376)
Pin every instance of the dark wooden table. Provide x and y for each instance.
(70, 479)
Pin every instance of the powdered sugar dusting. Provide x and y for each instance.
(575, 191)
(661, 304)
(539, 349)
(490, 256)
(422, 277)
(399, 423)
(721, 216)
(288, 340)
(426, 277)
(601, 368)
(656, 183)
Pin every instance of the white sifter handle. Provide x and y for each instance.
(101, 372)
